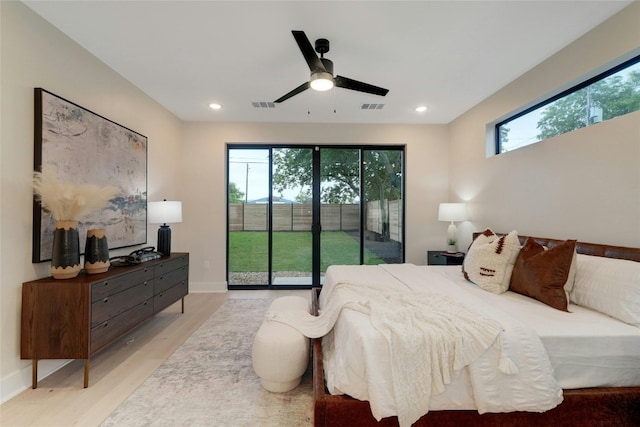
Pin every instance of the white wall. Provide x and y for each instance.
(34, 54)
(584, 184)
(204, 174)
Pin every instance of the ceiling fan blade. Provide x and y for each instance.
(307, 51)
(304, 86)
(347, 83)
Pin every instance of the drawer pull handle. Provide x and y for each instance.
(106, 300)
(105, 324)
(146, 303)
(146, 269)
(106, 283)
(145, 283)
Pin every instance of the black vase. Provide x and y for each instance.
(65, 257)
(96, 252)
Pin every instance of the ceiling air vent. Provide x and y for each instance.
(371, 106)
(263, 104)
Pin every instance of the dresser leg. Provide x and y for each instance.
(34, 373)
(86, 373)
(182, 305)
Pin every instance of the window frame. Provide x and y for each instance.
(601, 73)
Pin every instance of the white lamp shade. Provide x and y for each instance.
(452, 212)
(164, 212)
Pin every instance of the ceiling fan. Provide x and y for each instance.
(322, 70)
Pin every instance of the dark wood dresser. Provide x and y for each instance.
(76, 318)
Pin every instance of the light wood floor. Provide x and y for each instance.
(60, 399)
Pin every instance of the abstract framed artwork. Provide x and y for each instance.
(85, 148)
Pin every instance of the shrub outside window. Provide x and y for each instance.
(610, 94)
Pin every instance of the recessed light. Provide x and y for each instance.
(215, 106)
(421, 108)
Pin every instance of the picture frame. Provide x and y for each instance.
(86, 148)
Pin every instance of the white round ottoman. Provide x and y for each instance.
(280, 353)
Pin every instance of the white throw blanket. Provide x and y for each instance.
(430, 338)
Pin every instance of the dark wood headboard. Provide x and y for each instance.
(607, 251)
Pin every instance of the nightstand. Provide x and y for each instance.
(444, 258)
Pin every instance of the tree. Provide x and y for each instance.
(614, 96)
(293, 170)
(340, 175)
(383, 181)
(504, 135)
(235, 195)
(304, 196)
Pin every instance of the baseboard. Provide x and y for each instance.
(207, 287)
(19, 381)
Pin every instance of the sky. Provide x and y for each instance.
(254, 165)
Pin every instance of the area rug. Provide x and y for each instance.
(209, 380)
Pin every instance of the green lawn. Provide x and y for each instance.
(292, 251)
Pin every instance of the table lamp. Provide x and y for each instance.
(162, 213)
(452, 212)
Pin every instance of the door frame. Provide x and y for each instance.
(316, 206)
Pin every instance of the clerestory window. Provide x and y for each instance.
(607, 95)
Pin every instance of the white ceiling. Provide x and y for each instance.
(447, 55)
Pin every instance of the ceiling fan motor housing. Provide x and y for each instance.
(322, 46)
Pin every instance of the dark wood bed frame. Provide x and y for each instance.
(612, 406)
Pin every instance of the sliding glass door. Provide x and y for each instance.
(383, 206)
(248, 216)
(295, 210)
(291, 223)
(339, 207)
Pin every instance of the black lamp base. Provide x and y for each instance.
(164, 240)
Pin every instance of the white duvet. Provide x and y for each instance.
(422, 337)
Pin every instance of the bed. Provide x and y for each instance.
(585, 402)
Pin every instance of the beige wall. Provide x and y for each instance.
(34, 54)
(584, 184)
(186, 162)
(204, 173)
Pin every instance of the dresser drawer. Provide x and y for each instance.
(110, 330)
(170, 264)
(169, 296)
(113, 285)
(170, 278)
(112, 305)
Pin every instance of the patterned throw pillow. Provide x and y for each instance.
(490, 259)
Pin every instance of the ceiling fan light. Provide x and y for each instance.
(321, 81)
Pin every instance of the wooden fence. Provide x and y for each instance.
(333, 217)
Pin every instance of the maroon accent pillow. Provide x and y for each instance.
(542, 274)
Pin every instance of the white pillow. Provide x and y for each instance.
(568, 287)
(610, 286)
(490, 259)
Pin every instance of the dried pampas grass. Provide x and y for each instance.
(68, 201)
